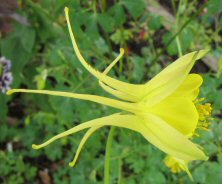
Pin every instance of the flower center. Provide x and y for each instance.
(204, 111)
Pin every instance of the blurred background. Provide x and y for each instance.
(36, 53)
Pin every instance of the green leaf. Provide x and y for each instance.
(63, 108)
(185, 37)
(15, 44)
(106, 22)
(90, 24)
(154, 177)
(213, 173)
(3, 107)
(120, 35)
(3, 132)
(20, 165)
(214, 7)
(28, 38)
(138, 71)
(199, 174)
(217, 100)
(54, 150)
(219, 72)
(101, 44)
(172, 47)
(155, 22)
(135, 8)
(117, 12)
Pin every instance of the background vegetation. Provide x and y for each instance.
(38, 44)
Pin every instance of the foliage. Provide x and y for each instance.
(42, 57)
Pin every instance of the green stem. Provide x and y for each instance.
(177, 13)
(177, 38)
(94, 7)
(108, 43)
(107, 155)
(0, 70)
(120, 172)
(103, 4)
(179, 46)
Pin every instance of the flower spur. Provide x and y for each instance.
(162, 110)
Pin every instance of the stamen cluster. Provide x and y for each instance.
(205, 111)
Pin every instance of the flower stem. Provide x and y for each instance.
(177, 28)
(1, 70)
(103, 5)
(120, 171)
(179, 46)
(177, 14)
(107, 155)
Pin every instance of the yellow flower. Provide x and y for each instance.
(161, 110)
(204, 111)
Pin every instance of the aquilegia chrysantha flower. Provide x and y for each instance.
(165, 110)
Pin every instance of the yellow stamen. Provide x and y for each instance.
(177, 165)
(172, 164)
(204, 111)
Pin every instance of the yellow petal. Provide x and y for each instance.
(117, 93)
(112, 91)
(124, 121)
(131, 107)
(81, 144)
(168, 80)
(169, 140)
(178, 112)
(190, 87)
(114, 62)
(113, 83)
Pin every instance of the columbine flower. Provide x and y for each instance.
(5, 74)
(162, 110)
